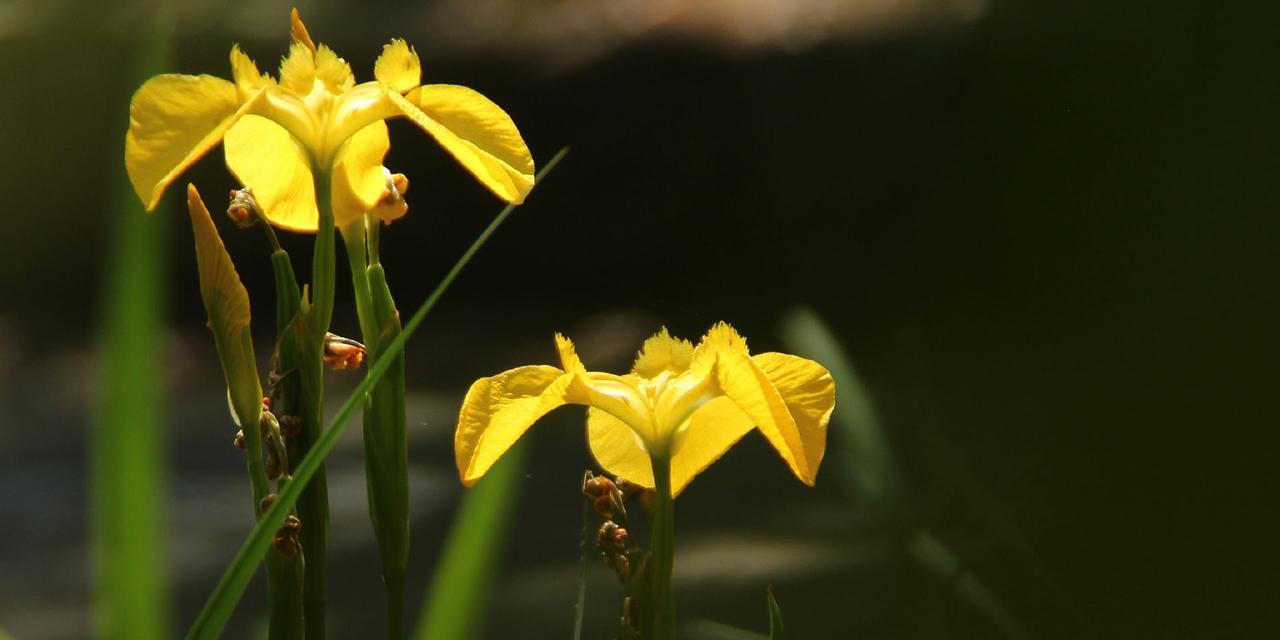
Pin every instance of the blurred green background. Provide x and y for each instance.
(1044, 233)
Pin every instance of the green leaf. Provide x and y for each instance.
(775, 619)
(217, 609)
(463, 583)
(127, 449)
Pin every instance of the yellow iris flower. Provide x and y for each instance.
(315, 122)
(682, 403)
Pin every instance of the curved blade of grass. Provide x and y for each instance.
(776, 632)
(871, 471)
(462, 584)
(131, 597)
(217, 609)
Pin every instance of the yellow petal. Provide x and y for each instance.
(617, 448)
(359, 180)
(398, 66)
(227, 303)
(298, 31)
(711, 431)
(248, 79)
(810, 395)
(661, 352)
(748, 387)
(265, 157)
(333, 71)
(568, 356)
(477, 132)
(298, 70)
(498, 410)
(173, 121)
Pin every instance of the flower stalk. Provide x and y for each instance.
(662, 613)
(385, 446)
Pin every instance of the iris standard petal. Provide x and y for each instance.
(498, 410)
(298, 70)
(661, 352)
(617, 448)
(359, 180)
(266, 158)
(477, 132)
(173, 121)
(398, 67)
(333, 71)
(810, 395)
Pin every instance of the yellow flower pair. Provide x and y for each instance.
(682, 403)
(315, 121)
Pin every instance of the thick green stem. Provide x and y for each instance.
(662, 546)
(353, 236)
(310, 329)
(385, 448)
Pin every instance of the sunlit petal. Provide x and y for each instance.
(810, 395)
(661, 352)
(298, 31)
(743, 382)
(718, 425)
(263, 156)
(569, 360)
(173, 121)
(247, 77)
(298, 70)
(333, 71)
(617, 448)
(398, 66)
(615, 395)
(498, 410)
(359, 180)
(477, 132)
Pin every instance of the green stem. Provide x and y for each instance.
(322, 262)
(217, 609)
(662, 546)
(353, 236)
(283, 579)
(313, 504)
(385, 447)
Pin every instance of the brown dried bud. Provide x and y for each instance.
(342, 353)
(600, 491)
(286, 538)
(266, 503)
(244, 210)
(238, 441)
(290, 426)
(611, 539)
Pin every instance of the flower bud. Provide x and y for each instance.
(244, 210)
(342, 353)
(392, 206)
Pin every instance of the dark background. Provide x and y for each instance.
(1045, 234)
